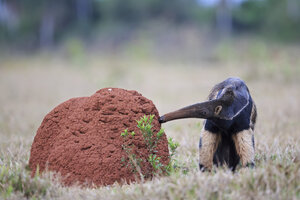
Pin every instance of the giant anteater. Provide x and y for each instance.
(227, 136)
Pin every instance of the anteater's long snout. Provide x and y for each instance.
(204, 110)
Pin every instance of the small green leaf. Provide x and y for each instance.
(9, 190)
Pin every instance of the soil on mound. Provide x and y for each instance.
(81, 139)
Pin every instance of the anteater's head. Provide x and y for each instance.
(229, 99)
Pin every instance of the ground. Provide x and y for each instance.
(34, 84)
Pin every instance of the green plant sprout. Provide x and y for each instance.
(133, 161)
(173, 146)
(151, 140)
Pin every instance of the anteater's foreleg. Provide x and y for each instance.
(207, 147)
(244, 144)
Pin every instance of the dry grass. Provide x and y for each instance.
(31, 86)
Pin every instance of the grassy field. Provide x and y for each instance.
(32, 85)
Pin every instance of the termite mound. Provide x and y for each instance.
(80, 138)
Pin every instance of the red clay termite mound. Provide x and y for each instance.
(81, 138)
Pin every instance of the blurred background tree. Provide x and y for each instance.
(32, 24)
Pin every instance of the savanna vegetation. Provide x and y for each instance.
(32, 85)
(172, 53)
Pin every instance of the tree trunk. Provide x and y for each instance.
(224, 18)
